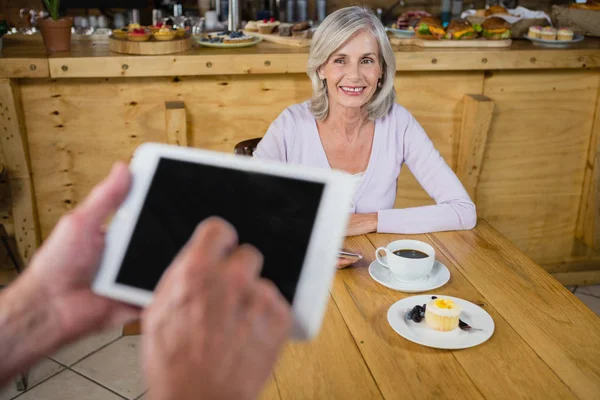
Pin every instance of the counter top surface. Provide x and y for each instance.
(25, 57)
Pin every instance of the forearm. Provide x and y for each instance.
(426, 219)
(28, 329)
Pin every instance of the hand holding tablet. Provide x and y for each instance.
(295, 216)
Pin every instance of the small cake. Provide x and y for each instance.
(535, 32)
(442, 314)
(285, 29)
(267, 27)
(138, 35)
(300, 30)
(251, 26)
(164, 34)
(565, 34)
(180, 32)
(237, 37)
(120, 33)
(549, 33)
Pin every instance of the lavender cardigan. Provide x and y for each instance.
(293, 138)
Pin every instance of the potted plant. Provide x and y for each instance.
(56, 31)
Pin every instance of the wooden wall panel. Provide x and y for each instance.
(533, 169)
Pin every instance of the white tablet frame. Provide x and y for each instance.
(312, 292)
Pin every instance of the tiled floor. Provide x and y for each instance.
(106, 366)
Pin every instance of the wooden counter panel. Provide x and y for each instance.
(435, 100)
(533, 168)
(24, 68)
(92, 58)
(532, 172)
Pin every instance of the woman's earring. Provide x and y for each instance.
(379, 84)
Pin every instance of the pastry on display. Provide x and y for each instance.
(267, 26)
(138, 35)
(300, 30)
(285, 29)
(228, 37)
(549, 33)
(132, 27)
(164, 34)
(565, 34)
(251, 26)
(535, 32)
(120, 33)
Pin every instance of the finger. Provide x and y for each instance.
(243, 266)
(211, 242)
(269, 316)
(344, 262)
(107, 196)
(239, 274)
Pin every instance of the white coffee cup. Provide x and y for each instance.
(404, 269)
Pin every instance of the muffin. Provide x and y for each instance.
(549, 33)
(251, 26)
(535, 32)
(442, 314)
(565, 34)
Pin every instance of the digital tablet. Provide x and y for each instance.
(295, 215)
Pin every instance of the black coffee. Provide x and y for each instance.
(409, 253)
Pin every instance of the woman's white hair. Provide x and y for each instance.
(333, 32)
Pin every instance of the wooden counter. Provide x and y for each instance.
(520, 126)
(89, 59)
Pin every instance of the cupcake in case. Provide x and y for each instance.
(535, 32)
(565, 34)
(549, 33)
(442, 314)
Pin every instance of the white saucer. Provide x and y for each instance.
(438, 276)
(420, 333)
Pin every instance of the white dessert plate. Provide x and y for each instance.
(555, 43)
(439, 276)
(481, 322)
(255, 40)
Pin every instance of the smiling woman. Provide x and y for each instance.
(353, 124)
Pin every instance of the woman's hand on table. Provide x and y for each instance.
(361, 224)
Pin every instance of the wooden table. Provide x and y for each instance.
(546, 343)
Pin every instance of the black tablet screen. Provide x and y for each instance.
(273, 213)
